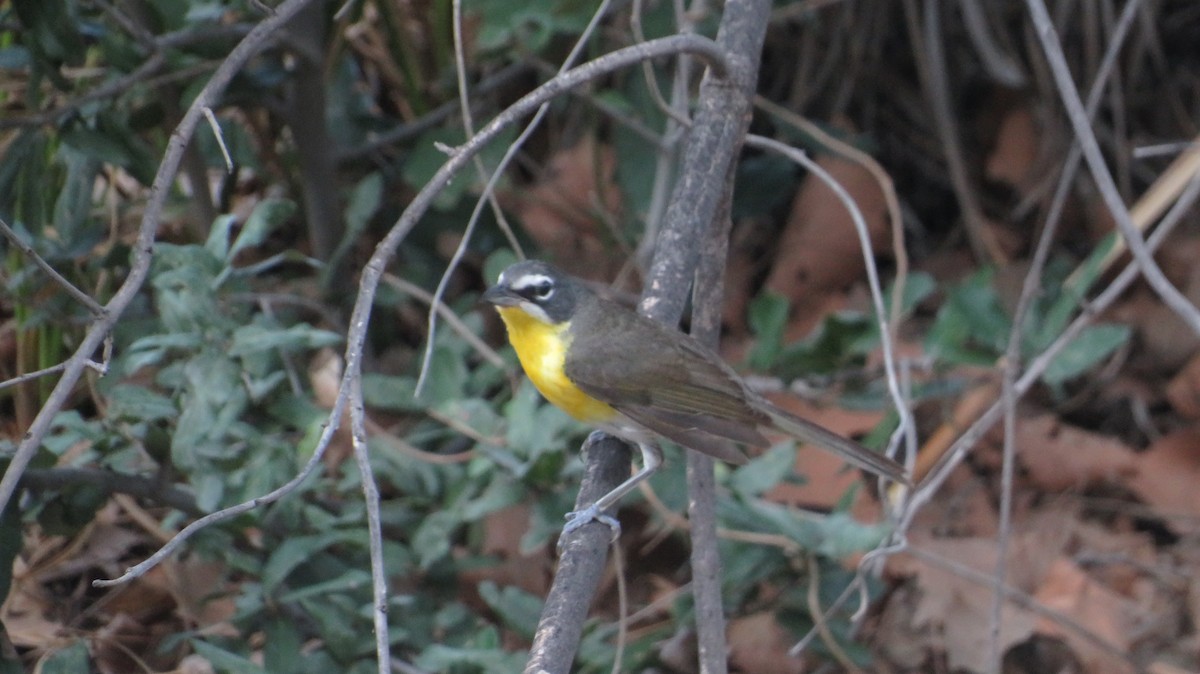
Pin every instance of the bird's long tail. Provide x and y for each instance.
(849, 450)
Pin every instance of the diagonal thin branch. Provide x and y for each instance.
(1100, 173)
(78, 295)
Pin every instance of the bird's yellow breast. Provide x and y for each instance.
(542, 350)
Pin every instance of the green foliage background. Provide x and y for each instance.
(207, 388)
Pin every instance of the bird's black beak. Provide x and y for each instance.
(501, 296)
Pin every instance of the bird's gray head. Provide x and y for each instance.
(540, 289)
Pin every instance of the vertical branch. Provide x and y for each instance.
(694, 239)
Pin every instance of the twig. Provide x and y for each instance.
(488, 191)
(432, 119)
(931, 67)
(906, 429)
(101, 368)
(464, 100)
(1100, 173)
(886, 186)
(456, 324)
(104, 91)
(707, 304)
(820, 617)
(1012, 357)
(112, 483)
(1037, 365)
(1025, 601)
(370, 488)
(78, 295)
(579, 567)
(999, 65)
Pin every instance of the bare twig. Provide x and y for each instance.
(113, 483)
(886, 186)
(1025, 601)
(464, 101)
(488, 191)
(931, 67)
(456, 324)
(100, 368)
(580, 566)
(26, 249)
(1012, 357)
(907, 427)
(1100, 173)
(1037, 365)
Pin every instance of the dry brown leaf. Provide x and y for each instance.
(1183, 391)
(1168, 475)
(819, 252)
(1108, 615)
(955, 611)
(502, 531)
(758, 644)
(964, 508)
(1016, 150)
(563, 212)
(1060, 457)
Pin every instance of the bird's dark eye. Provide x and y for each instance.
(542, 290)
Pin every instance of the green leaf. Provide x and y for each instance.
(135, 403)
(918, 286)
(518, 609)
(250, 339)
(391, 393)
(425, 161)
(264, 219)
(764, 472)
(218, 236)
(1093, 345)
(68, 660)
(282, 646)
(297, 550)
(768, 315)
(842, 341)
(223, 660)
(432, 538)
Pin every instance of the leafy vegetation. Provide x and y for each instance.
(218, 383)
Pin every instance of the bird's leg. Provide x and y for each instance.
(651, 460)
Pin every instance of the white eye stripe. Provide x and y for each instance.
(531, 280)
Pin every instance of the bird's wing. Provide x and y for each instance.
(642, 374)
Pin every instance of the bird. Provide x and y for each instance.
(640, 380)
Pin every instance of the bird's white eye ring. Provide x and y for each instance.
(543, 290)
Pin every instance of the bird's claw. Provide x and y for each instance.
(591, 513)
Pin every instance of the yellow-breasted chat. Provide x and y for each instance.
(637, 379)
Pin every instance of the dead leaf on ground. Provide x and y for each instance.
(964, 508)
(502, 532)
(819, 251)
(1060, 457)
(1168, 479)
(956, 611)
(757, 643)
(1015, 151)
(1183, 391)
(1068, 590)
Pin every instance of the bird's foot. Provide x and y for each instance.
(591, 513)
